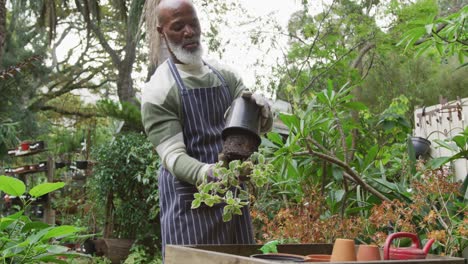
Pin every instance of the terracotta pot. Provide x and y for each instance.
(343, 250)
(368, 252)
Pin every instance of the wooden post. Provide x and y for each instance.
(49, 213)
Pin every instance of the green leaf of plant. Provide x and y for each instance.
(444, 144)
(237, 210)
(275, 138)
(358, 106)
(45, 188)
(464, 189)
(5, 222)
(210, 202)
(8, 220)
(38, 236)
(56, 249)
(230, 201)
(371, 154)
(429, 28)
(229, 195)
(270, 247)
(14, 250)
(337, 173)
(437, 162)
(12, 186)
(196, 203)
(440, 48)
(460, 141)
(34, 226)
(339, 194)
(290, 121)
(61, 231)
(422, 48)
(227, 216)
(461, 57)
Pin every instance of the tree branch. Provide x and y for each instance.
(66, 112)
(362, 52)
(102, 40)
(348, 170)
(328, 68)
(314, 41)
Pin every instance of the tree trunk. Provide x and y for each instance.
(3, 12)
(109, 216)
(357, 64)
(125, 89)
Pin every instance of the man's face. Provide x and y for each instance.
(181, 29)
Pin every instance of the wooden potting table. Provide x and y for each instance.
(240, 254)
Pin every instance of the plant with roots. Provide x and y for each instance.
(229, 184)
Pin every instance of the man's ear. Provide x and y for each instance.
(160, 30)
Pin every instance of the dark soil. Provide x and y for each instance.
(239, 147)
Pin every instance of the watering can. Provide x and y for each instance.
(412, 252)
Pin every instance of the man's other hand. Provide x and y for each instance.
(261, 101)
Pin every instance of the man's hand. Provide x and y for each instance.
(210, 175)
(266, 115)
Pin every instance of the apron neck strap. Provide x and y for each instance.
(176, 75)
(220, 77)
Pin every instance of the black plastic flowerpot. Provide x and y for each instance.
(421, 146)
(241, 134)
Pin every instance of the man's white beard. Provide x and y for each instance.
(184, 56)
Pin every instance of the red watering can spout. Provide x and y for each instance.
(428, 245)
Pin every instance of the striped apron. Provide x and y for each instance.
(203, 111)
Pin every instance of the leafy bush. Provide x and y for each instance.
(27, 241)
(351, 175)
(126, 172)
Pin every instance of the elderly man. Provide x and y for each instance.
(183, 108)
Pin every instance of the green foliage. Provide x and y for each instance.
(270, 247)
(320, 49)
(139, 254)
(8, 131)
(227, 189)
(124, 111)
(457, 144)
(447, 34)
(26, 241)
(23, 45)
(126, 168)
(360, 183)
(357, 159)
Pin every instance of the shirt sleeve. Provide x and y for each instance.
(162, 120)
